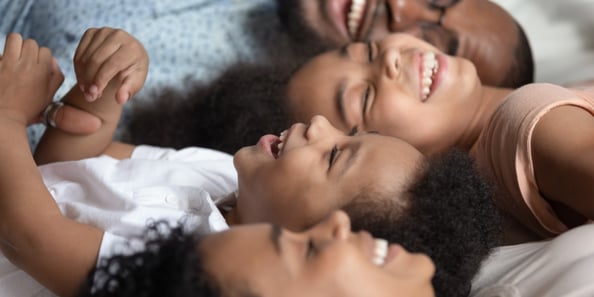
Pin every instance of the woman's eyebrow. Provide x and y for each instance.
(275, 234)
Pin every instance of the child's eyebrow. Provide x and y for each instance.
(354, 153)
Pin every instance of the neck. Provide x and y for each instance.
(491, 98)
(231, 214)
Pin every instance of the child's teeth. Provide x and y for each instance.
(380, 251)
(280, 148)
(430, 66)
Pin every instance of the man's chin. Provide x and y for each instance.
(318, 36)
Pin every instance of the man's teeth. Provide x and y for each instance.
(281, 143)
(354, 17)
(380, 252)
(430, 66)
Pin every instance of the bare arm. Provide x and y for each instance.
(34, 235)
(563, 152)
(114, 66)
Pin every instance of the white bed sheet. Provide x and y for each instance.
(561, 33)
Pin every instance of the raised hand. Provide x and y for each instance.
(105, 54)
(29, 78)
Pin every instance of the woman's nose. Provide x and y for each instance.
(390, 63)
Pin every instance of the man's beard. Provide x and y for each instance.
(291, 15)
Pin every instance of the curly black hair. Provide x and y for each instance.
(235, 110)
(169, 265)
(449, 215)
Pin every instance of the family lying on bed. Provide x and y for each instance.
(412, 211)
(291, 181)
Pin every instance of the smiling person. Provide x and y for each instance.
(265, 260)
(478, 30)
(101, 193)
(534, 141)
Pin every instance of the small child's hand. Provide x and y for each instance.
(105, 54)
(29, 78)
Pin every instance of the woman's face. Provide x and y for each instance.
(399, 86)
(326, 260)
(297, 179)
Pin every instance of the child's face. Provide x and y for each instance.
(399, 86)
(317, 169)
(326, 260)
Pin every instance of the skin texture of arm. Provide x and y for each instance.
(56, 251)
(563, 154)
(34, 235)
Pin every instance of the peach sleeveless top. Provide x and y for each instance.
(504, 151)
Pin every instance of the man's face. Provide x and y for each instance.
(478, 30)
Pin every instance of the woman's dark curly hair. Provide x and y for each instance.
(232, 112)
(169, 265)
(449, 214)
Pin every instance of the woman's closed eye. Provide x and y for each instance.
(365, 101)
(311, 249)
(370, 52)
(353, 131)
(333, 154)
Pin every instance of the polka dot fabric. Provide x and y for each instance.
(184, 38)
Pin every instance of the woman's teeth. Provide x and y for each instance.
(355, 16)
(430, 66)
(380, 252)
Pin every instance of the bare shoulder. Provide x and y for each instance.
(563, 155)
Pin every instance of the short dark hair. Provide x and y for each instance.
(169, 265)
(522, 69)
(450, 215)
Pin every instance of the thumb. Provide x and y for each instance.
(76, 121)
(130, 86)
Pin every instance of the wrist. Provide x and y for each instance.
(11, 118)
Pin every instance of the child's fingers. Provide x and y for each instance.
(88, 62)
(86, 39)
(124, 94)
(100, 74)
(58, 76)
(13, 46)
(30, 51)
(44, 56)
(97, 41)
(132, 80)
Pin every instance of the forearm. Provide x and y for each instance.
(33, 233)
(58, 145)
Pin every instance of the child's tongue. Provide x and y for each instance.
(269, 143)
